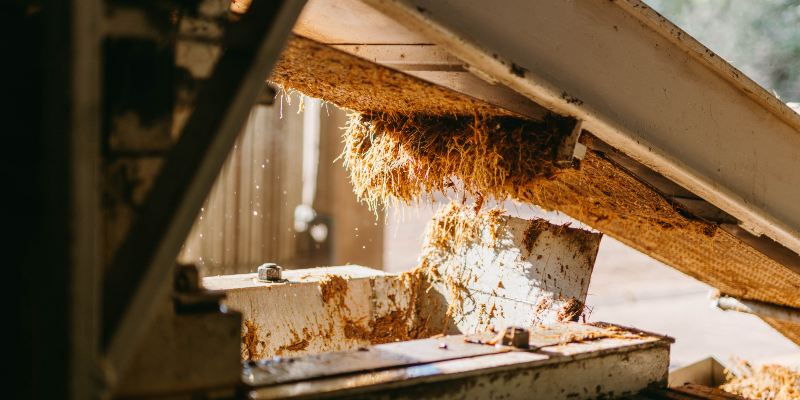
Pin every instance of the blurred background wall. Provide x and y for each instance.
(760, 38)
(281, 198)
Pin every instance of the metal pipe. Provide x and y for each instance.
(758, 308)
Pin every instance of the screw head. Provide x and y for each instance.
(269, 272)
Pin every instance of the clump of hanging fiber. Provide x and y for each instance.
(397, 158)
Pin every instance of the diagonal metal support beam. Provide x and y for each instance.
(640, 84)
(140, 276)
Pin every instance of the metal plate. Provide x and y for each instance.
(614, 367)
(390, 355)
(509, 283)
(366, 380)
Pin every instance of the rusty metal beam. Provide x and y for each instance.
(139, 278)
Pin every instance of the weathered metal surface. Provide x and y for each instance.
(382, 356)
(138, 279)
(573, 338)
(364, 383)
(507, 281)
(294, 318)
(517, 273)
(616, 369)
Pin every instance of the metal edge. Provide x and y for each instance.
(657, 21)
(552, 358)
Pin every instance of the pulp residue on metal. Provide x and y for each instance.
(767, 382)
(600, 193)
(399, 324)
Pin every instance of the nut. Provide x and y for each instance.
(269, 272)
(517, 337)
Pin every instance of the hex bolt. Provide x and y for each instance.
(269, 272)
(517, 337)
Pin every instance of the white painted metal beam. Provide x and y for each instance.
(641, 85)
(637, 81)
(292, 318)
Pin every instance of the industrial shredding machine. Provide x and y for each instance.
(651, 139)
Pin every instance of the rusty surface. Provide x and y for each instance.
(297, 344)
(252, 341)
(564, 369)
(333, 287)
(483, 269)
(365, 358)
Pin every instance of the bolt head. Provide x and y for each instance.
(269, 272)
(517, 337)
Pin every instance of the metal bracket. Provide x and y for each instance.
(570, 148)
(190, 297)
(750, 229)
